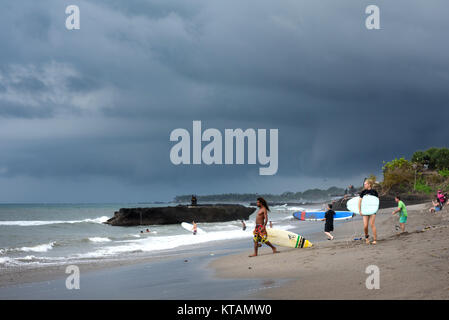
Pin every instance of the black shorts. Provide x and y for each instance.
(328, 228)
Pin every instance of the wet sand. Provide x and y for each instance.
(413, 265)
(22, 275)
(15, 276)
(166, 279)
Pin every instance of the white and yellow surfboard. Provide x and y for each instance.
(287, 239)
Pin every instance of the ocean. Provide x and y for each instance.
(51, 234)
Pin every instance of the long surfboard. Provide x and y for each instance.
(189, 227)
(370, 205)
(319, 215)
(285, 238)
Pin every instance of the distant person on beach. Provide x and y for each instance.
(329, 225)
(194, 201)
(441, 198)
(351, 190)
(271, 224)
(243, 225)
(260, 231)
(194, 229)
(402, 210)
(436, 206)
(368, 220)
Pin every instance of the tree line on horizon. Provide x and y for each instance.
(288, 196)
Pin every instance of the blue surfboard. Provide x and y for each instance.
(318, 215)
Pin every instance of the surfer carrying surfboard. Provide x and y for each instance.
(260, 231)
(368, 219)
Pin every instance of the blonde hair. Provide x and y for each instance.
(370, 182)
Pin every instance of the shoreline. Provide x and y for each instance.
(413, 265)
(224, 263)
(20, 275)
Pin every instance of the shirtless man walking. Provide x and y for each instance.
(260, 231)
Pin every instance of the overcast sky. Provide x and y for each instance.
(86, 115)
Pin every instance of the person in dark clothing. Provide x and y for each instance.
(329, 225)
(194, 201)
(368, 220)
(369, 191)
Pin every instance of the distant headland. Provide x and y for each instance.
(311, 195)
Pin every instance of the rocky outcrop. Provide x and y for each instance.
(180, 213)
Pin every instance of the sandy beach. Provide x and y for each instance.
(413, 265)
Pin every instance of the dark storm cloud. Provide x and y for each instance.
(99, 103)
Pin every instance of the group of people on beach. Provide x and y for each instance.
(368, 220)
(260, 233)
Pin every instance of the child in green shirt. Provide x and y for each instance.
(402, 212)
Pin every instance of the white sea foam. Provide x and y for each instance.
(38, 248)
(31, 260)
(169, 242)
(96, 220)
(5, 260)
(295, 208)
(99, 239)
(27, 223)
(280, 207)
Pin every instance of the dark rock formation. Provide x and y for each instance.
(180, 213)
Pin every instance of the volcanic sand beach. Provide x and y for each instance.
(413, 265)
